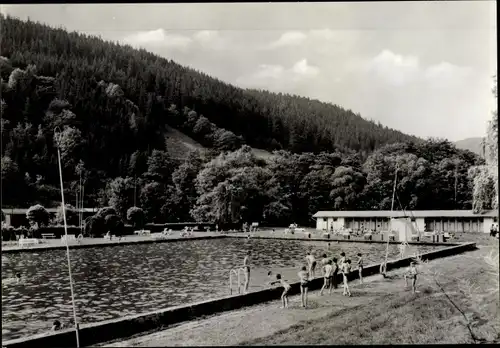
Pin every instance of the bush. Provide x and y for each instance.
(136, 217)
(103, 212)
(114, 224)
(38, 216)
(7, 232)
(71, 216)
(93, 226)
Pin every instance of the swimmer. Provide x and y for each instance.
(286, 289)
(304, 285)
(18, 277)
(360, 268)
(327, 276)
(56, 325)
(411, 274)
(328, 247)
(346, 269)
(311, 264)
(246, 270)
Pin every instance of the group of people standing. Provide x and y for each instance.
(330, 268)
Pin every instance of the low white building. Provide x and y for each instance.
(425, 220)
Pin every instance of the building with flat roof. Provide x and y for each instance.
(425, 220)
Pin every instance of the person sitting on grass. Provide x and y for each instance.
(304, 285)
(346, 269)
(286, 289)
(327, 276)
(411, 274)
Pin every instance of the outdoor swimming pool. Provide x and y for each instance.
(116, 281)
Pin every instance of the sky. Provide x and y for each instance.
(424, 68)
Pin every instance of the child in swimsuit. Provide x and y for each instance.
(304, 284)
(346, 269)
(286, 289)
(360, 268)
(327, 276)
(342, 259)
(311, 263)
(246, 270)
(411, 274)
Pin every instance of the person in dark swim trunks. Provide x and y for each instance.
(304, 285)
(286, 289)
(412, 274)
(246, 270)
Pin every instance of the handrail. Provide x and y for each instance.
(237, 271)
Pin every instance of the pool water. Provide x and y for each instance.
(116, 281)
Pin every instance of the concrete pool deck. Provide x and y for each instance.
(52, 244)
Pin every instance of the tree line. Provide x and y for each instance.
(110, 105)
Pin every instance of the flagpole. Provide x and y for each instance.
(56, 135)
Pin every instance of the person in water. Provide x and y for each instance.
(360, 268)
(304, 285)
(327, 276)
(311, 264)
(246, 270)
(286, 289)
(18, 277)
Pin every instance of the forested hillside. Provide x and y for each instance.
(115, 106)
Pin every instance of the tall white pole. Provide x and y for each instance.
(390, 221)
(66, 234)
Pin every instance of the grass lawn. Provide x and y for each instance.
(457, 303)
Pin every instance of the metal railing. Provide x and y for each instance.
(237, 271)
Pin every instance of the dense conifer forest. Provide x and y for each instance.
(112, 103)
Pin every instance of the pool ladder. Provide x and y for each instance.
(237, 271)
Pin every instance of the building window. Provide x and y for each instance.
(334, 219)
(324, 219)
